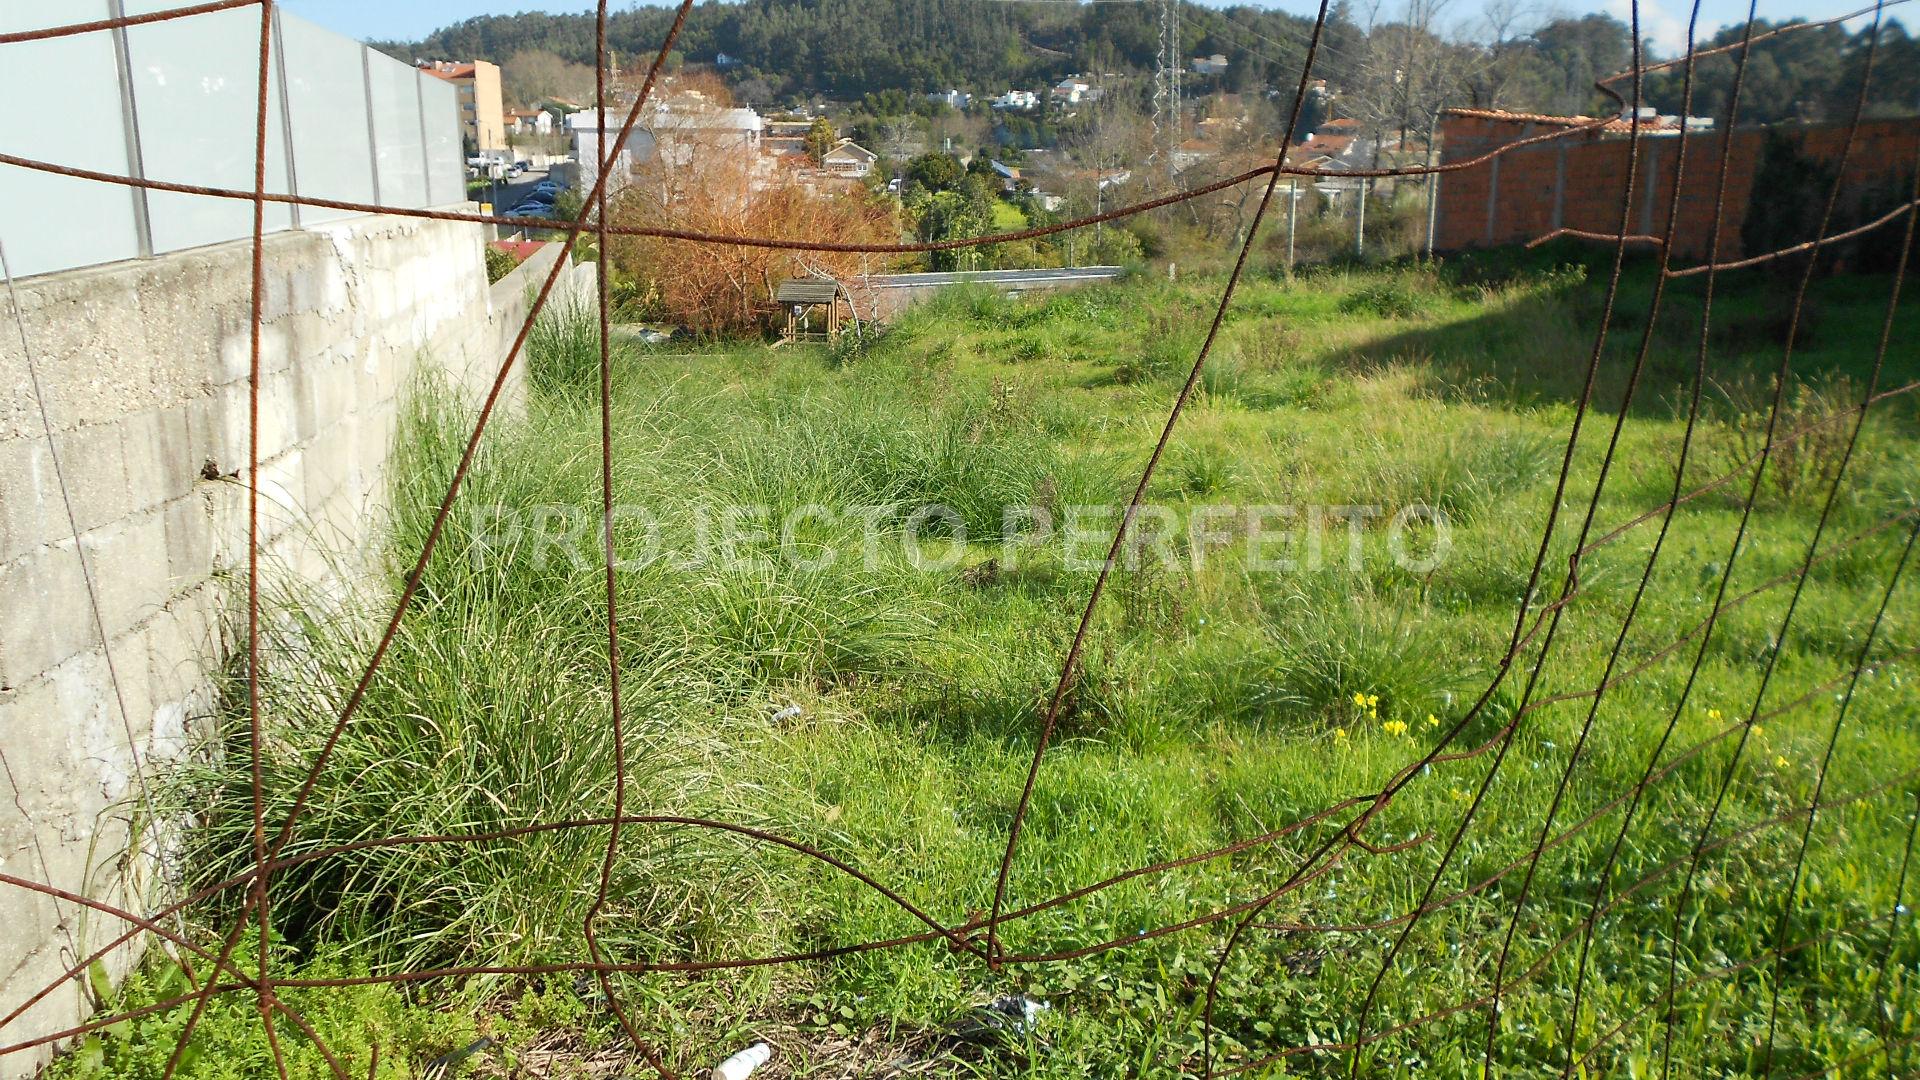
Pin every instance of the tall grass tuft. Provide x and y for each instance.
(563, 350)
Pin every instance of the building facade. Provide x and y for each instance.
(482, 114)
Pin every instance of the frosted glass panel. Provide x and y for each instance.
(194, 83)
(440, 107)
(396, 134)
(327, 105)
(195, 91)
(52, 222)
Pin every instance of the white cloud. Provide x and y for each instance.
(1667, 32)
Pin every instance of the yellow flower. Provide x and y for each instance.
(1359, 700)
(1432, 720)
(1339, 734)
(1713, 715)
(1373, 701)
(1458, 795)
(1759, 732)
(1395, 727)
(1779, 761)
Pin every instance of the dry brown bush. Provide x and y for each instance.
(712, 288)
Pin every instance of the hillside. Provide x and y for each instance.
(780, 50)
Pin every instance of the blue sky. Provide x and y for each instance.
(1663, 20)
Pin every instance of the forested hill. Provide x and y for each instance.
(781, 49)
(846, 48)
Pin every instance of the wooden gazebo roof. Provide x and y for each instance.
(808, 290)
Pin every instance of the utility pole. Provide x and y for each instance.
(1099, 153)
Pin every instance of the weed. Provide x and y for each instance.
(1220, 697)
(1811, 434)
(1386, 298)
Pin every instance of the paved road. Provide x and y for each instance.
(511, 192)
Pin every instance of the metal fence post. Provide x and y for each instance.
(1293, 212)
(1360, 224)
(130, 125)
(1433, 181)
(1433, 209)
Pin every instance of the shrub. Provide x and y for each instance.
(1387, 298)
(1460, 477)
(563, 351)
(1324, 651)
(499, 264)
(713, 288)
(1201, 471)
(1799, 470)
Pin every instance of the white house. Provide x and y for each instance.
(673, 132)
(953, 99)
(1072, 91)
(1017, 99)
(1210, 65)
(529, 122)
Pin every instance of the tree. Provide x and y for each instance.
(934, 171)
(820, 138)
(1575, 53)
(951, 215)
(537, 75)
(1408, 73)
(1113, 246)
(1811, 74)
(1313, 113)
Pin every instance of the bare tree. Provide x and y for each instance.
(537, 75)
(1411, 70)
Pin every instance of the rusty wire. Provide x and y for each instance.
(1341, 828)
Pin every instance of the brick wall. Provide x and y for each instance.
(1579, 180)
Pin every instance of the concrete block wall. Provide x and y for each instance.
(143, 378)
(1578, 181)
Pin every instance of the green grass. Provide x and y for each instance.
(1217, 699)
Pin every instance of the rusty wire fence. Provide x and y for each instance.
(1328, 835)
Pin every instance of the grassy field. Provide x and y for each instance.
(840, 685)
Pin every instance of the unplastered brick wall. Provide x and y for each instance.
(1578, 180)
(143, 384)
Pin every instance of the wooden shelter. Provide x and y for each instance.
(801, 297)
